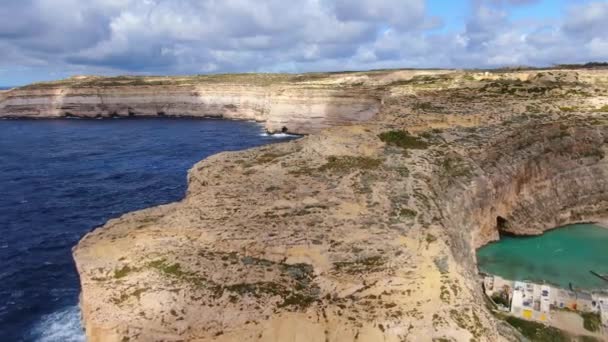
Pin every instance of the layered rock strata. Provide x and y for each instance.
(298, 107)
(362, 232)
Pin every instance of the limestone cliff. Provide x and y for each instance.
(363, 232)
(299, 104)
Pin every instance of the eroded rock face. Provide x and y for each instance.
(529, 179)
(298, 107)
(359, 232)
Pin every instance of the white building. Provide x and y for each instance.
(602, 304)
(545, 299)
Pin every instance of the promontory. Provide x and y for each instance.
(365, 229)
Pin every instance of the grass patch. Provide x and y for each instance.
(298, 300)
(368, 264)
(455, 167)
(408, 213)
(348, 163)
(588, 339)
(254, 79)
(122, 272)
(403, 139)
(537, 331)
(591, 321)
(603, 109)
(595, 153)
(163, 267)
(125, 296)
(269, 157)
(568, 109)
(403, 171)
(175, 271)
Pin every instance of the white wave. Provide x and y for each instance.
(279, 135)
(63, 325)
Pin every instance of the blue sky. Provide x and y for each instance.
(51, 39)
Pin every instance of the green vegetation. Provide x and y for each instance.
(296, 288)
(369, 264)
(589, 65)
(175, 271)
(256, 289)
(403, 139)
(408, 213)
(455, 167)
(124, 296)
(468, 321)
(603, 109)
(591, 321)
(403, 171)
(588, 339)
(537, 331)
(268, 157)
(445, 294)
(256, 79)
(298, 300)
(568, 109)
(122, 272)
(348, 163)
(424, 81)
(426, 107)
(595, 153)
(430, 238)
(501, 299)
(163, 267)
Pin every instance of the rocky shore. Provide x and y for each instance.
(365, 230)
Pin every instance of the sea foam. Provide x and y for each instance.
(63, 325)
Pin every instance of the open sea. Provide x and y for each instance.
(61, 178)
(560, 257)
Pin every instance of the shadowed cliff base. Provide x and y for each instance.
(362, 232)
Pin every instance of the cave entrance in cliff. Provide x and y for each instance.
(501, 224)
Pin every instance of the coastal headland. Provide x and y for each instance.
(366, 228)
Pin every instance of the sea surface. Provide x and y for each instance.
(561, 257)
(61, 178)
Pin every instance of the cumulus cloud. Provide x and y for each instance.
(200, 36)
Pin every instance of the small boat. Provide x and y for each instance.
(603, 277)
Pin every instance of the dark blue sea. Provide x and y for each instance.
(61, 178)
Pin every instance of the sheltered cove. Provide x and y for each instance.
(363, 231)
(572, 256)
(548, 278)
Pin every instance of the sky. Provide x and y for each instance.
(51, 39)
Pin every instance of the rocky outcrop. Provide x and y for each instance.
(527, 179)
(298, 107)
(362, 232)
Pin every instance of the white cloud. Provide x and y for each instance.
(195, 36)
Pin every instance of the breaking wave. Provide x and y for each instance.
(63, 325)
(279, 135)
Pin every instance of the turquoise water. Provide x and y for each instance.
(560, 256)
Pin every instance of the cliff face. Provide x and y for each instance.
(361, 232)
(298, 107)
(526, 180)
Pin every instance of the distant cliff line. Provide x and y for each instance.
(299, 104)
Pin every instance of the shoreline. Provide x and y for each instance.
(146, 117)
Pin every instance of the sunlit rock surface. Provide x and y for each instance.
(357, 232)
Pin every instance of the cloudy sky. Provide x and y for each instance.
(50, 39)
